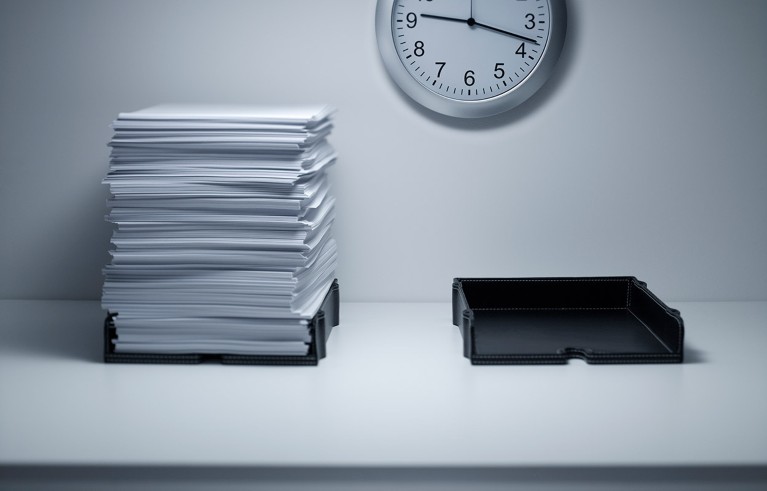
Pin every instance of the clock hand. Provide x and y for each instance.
(491, 28)
(430, 16)
(470, 21)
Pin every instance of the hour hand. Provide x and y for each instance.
(501, 31)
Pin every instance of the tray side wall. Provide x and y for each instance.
(463, 318)
(546, 293)
(663, 321)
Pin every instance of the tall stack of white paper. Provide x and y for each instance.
(223, 240)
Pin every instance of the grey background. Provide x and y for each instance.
(645, 154)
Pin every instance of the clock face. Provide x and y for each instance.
(471, 57)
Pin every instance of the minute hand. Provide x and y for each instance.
(454, 19)
(491, 28)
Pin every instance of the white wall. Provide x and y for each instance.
(645, 155)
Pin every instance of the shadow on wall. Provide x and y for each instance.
(68, 330)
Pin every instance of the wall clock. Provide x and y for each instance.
(470, 58)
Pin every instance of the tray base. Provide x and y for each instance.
(562, 331)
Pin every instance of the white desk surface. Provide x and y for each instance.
(394, 390)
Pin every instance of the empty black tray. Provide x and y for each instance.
(518, 321)
(319, 327)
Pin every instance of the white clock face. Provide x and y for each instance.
(470, 58)
(470, 50)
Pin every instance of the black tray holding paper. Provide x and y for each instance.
(320, 327)
(518, 321)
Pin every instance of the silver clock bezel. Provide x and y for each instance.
(471, 109)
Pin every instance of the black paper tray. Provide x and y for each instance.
(517, 321)
(320, 327)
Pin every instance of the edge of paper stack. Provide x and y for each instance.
(223, 236)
